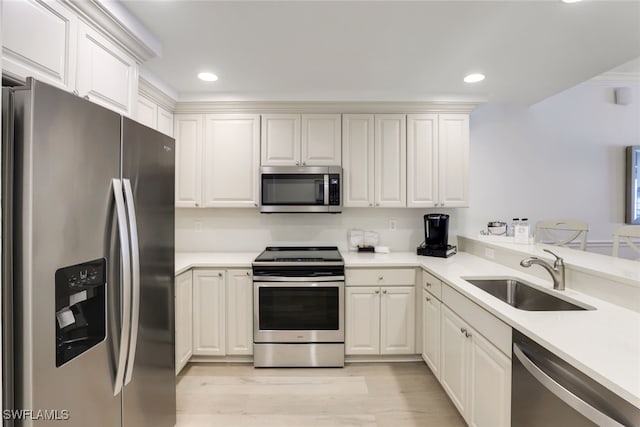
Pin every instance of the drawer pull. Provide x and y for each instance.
(463, 330)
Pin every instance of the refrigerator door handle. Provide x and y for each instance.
(135, 270)
(126, 285)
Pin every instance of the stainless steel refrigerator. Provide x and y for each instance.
(88, 264)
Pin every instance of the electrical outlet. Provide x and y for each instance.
(489, 253)
(198, 226)
(393, 224)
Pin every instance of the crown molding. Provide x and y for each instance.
(148, 90)
(617, 77)
(141, 44)
(203, 107)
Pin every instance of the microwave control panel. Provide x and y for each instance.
(334, 189)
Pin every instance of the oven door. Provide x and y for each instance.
(298, 312)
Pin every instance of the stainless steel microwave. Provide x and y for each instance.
(300, 189)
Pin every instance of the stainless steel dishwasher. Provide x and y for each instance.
(548, 392)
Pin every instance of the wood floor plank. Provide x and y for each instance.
(370, 395)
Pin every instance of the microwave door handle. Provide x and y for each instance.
(319, 189)
(326, 189)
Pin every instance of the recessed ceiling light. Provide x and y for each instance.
(570, 1)
(207, 77)
(474, 78)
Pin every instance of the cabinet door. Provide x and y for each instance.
(147, 112)
(390, 160)
(184, 319)
(422, 165)
(453, 359)
(431, 332)
(453, 155)
(239, 312)
(321, 140)
(231, 160)
(489, 385)
(209, 318)
(362, 320)
(49, 56)
(358, 160)
(165, 121)
(188, 160)
(106, 73)
(397, 320)
(280, 139)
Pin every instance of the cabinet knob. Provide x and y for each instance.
(380, 277)
(428, 285)
(377, 292)
(219, 274)
(377, 204)
(248, 274)
(467, 335)
(197, 204)
(428, 299)
(463, 330)
(441, 204)
(384, 292)
(304, 163)
(297, 163)
(370, 204)
(255, 204)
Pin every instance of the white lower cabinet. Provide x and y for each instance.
(380, 320)
(431, 308)
(209, 320)
(474, 373)
(239, 312)
(183, 319)
(222, 312)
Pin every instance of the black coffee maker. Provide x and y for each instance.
(436, 236)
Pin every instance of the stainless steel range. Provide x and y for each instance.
(298, 303)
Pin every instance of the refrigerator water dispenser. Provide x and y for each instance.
(80, 309)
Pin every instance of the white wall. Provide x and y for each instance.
(248, 230)
(561, 158)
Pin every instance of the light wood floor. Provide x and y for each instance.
(363, 395)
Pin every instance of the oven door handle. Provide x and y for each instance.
(298, 279)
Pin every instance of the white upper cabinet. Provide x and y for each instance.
(357, 154)
(165, 121)
(301, 140)
(390, 160)
(39, 40)
(375, 155)
(422, 156)
(280, 139)
(438, 160)
(153, 115)
(321, 140)
(188, 134)
(106, 74)
(453, 160)
(147, 112)
(231, 160)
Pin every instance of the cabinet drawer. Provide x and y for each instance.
(380, 277)
(432, 285)
(497, 332)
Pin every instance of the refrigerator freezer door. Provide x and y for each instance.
(148, 163)
(67, 153)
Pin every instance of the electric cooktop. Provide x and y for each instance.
(299, 254)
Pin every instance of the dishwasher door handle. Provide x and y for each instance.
(588, 411)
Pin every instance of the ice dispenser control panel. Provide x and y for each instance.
(80, 308)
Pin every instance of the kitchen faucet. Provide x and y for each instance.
(556, 270)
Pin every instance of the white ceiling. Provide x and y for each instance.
(387, 50)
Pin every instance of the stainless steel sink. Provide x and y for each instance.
(523, 296)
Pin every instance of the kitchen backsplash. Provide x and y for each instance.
(238, 230)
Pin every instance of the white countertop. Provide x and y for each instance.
(603, 343)
(624, 270)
